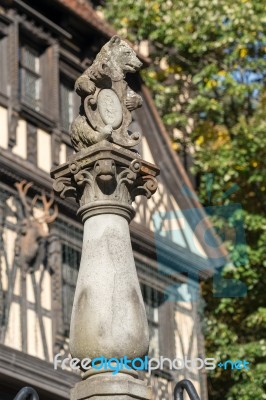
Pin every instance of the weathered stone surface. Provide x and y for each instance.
(110, 108)
(108, 317)
(105, 178)
(108, 386)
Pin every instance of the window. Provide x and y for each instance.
(152, 300)
(3, 65)
(70, 266)
(68, 103)
(30, 77)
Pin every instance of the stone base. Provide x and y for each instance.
(107, 386)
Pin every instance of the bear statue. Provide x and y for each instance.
(106, 99)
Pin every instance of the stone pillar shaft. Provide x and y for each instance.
(108, 317)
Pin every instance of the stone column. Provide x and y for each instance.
(105, 175)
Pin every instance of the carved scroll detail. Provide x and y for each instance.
(144, 185)
(64, 187)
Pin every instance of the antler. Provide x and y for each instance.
(22, 188)
(46, 217)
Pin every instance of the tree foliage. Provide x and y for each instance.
(208, 79)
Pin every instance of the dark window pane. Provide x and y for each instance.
(3, 65)
(31, 59)
(70, 267)
(32, 90)
(66, 105)
(30, 79)
(152, 300)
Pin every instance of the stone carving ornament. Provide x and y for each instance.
(106, 99)
(103, 177)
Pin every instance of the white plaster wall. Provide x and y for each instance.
(44, 150)
(30, 292)
(62, 154)
(146, 152)
(175, 225)
(46, 295)
(186, 340)
(9, 237)
(190, 235)
(35, 345)
(34, 340)
(3, 127)
(20, 148)
(139, 218)
(13, 336)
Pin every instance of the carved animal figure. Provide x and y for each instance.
(32, 239)
(108, 71)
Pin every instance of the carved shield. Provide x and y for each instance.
(106, 107)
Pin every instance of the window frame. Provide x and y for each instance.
(40, 43)
(67, 82)
(68, 289)
(4, 62)
(151, 294)
(24, 69)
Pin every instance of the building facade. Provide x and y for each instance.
(44, 47)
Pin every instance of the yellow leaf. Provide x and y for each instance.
(156, 7)
(152, 74)
(222, 72)
(243, 52)
(200, 140)
(211, 83)
(175, 146)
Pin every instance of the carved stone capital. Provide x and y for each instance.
(105, 179)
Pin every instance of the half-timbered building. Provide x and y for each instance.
(44, 47)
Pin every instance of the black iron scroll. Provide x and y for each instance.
(27, 393)
(188, 386)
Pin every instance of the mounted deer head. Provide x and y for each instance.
(33, 235)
